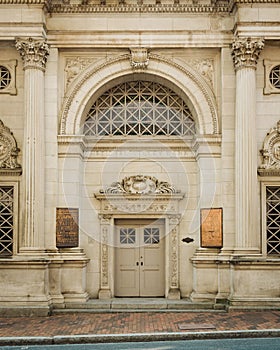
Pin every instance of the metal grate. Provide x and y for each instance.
(274, 77)
(139, 108)
(6, 220)
(5, 77)
(127, 236)
(273, 220)
(151, 235)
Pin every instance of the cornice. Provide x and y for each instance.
(234, 3)
(129, 8)
(44, 3)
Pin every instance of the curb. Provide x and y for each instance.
(137, 337)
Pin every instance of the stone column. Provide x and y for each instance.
(245, 52)
(34, 54)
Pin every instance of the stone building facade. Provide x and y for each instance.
(139, 152)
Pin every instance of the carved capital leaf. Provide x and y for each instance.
(246, 51)
(33, 52)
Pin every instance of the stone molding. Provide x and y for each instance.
(139, 58)
(96, 69)
(271, 153)
(246, 51)
(33, 52)
(8, 152)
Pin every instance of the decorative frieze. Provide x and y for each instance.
(271, 153)
(8, 152)
(33, 52)
(246, 51)
(139, 58)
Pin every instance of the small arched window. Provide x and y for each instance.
(139, 108)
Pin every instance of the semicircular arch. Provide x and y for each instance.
(96, 78)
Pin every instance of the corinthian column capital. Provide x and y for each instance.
(246, 51)
(33, 52)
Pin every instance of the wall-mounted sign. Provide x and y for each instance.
(67, 227)
(211, 227)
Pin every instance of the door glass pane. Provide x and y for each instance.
(127, 236)
(151, 235)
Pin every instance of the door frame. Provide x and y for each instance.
(107, 253)
(139, 225)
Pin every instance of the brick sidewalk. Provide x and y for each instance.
(142, 322)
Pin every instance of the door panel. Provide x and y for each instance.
(139, 259)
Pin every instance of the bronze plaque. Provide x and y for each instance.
(211, 227)
(67, 227)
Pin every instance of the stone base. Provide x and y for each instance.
(25, 311)
(104, 294)
(174, 294)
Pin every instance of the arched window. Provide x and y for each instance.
(139, 108)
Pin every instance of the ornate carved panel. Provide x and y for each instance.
(271, 153)
(8, 152)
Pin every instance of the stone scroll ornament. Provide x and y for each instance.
(8, 150)
(140, 184)
(271, 152)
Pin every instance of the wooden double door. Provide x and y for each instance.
(139, 258)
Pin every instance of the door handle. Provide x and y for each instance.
(142, 263)
(137, 263)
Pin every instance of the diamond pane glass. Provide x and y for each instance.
(151, 235)
(274, 77)
(127, 236)
(6, 220)
(273, 220)
(139, 108)
(5, 77)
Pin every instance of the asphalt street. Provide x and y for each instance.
(220, 344)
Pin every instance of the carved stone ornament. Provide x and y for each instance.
(271, 153)
(246, 51)
(8, 152)
(139, 58)
(140, 184)
(33, 52)
(74, 65)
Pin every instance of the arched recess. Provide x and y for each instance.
(189, 82)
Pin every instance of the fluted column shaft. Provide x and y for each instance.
(33, 53)
(245, 52)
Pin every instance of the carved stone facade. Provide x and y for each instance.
(161, 104)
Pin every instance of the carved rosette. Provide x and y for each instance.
(246, 51)
(271, 153)
(33, 52)
(8, 151)
(140, 184)
(139, 58)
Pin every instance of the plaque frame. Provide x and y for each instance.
(211, 227)
(67, 227)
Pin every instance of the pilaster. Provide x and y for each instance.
(34, 54)
(245, 52)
